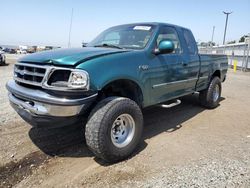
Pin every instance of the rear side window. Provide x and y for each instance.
(191, 44)
(169, 33)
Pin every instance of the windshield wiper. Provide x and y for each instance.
(108, 45)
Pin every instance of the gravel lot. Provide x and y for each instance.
(186, 146)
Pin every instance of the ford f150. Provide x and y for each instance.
(111, 79)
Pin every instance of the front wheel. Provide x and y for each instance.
(210, 97)
(114, 128)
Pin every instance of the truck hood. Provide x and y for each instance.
(68, 57)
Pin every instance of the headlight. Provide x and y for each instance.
(78, 80)
(67, 79)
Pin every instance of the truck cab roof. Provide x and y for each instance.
(159, 24)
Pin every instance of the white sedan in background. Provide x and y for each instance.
(21, 51)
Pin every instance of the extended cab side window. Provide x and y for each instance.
(190, 41)
(169, 33)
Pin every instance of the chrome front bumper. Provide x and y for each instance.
(38, 108)
(33, 104)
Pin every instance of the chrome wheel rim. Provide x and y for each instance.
(216, 93)
(123, 130)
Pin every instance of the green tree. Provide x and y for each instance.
(210, 43)
(242, 39)
(231, 42)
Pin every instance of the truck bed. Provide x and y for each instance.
(209, 64)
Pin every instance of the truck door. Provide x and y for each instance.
(168, 74)
(190, 60)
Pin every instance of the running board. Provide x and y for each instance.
(175, 103)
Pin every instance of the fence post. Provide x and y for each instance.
(235, 65)
(246, 65)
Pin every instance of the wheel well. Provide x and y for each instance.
(123, 88)
(216, 73)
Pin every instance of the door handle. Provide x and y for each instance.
(184, 63)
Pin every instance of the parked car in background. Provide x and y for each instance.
(2, 58)
(32, 49)
(21, 51)
(110, 80)
(9, 50)
(6, 50)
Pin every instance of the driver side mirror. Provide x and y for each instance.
(165, 47)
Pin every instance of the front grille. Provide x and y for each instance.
(29, 74)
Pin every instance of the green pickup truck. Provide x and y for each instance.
(110, 80)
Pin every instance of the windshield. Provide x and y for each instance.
(126, 36)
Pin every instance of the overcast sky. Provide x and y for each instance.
(46, 22)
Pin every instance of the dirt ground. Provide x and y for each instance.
(185, 146)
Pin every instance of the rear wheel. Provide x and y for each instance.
(114, 128)
(210, 97)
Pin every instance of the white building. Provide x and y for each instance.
(237, 52)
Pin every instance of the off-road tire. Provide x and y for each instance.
(206, 96)
(98, 128)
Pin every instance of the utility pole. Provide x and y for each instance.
(70, 26)
(248, 49)
(227, 14)
(212, 40)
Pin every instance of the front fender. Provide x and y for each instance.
(101, 76)
(105, 70)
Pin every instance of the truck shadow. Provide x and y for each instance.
(69, 141)
(158, 119)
